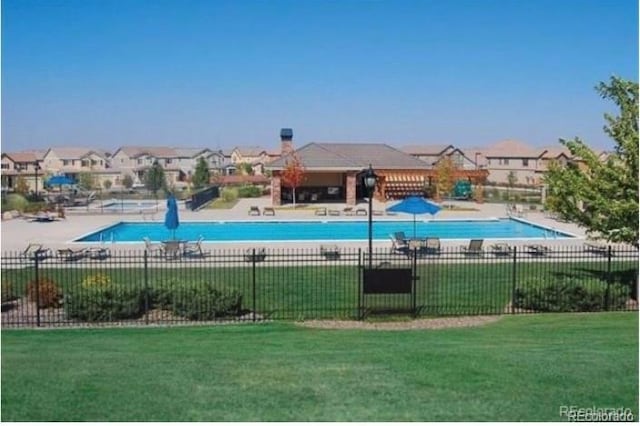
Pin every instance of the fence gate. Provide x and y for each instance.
(387, 290)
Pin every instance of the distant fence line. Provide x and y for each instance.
(136, 288)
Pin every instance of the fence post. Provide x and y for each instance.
(360, 296)
(514, 279)
(146, 287)
(253, 284)
(37, 282)
(607, 294)
(414, 281)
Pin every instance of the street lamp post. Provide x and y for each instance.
(369, 180)
(36, 168)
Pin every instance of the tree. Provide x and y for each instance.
(445, 170)
(107, 184)
(246, 169)
(127, 181)
(201, 176)
(86, 180)
(21, 186)
(512, 179)
(154, 178)
(602, 195)
(293, 174)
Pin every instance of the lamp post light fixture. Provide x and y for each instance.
(369, 180)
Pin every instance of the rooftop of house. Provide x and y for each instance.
(350, 156)
(249, 151)
(425, 149)
(74, 153)
(511, 149)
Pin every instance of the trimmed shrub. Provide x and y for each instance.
(229, 194)
(249, 191)
(205, 301)
(46, 293)
(161, 295)
(15, 202)
(108, 302)
(570, 295)
(8, 292)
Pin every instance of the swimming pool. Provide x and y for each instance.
(321, 231)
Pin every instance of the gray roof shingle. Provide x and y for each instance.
(351, 156)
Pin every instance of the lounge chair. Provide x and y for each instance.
(70, 255)
(268, 211)
(431, 246)
(538, 250)
(321, 211)
(399, 245)
(596, 247)
(400, 236)
(36, 252)
(361, 212)
(255, 255)
(334, 212)
(348, 211)
(254, 211)
(41, 217)
(152, 249)
(171, 249)
(501, 249)
(194, 248)
(377, 212)
(474, 248)
(99, 253)
(330, 252)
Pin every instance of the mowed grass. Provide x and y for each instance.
(519, 368)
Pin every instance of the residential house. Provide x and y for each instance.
(26, 165)
(254, 155)
(72, 161)
(432, 154)
(515, 158)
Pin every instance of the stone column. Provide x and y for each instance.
(275, 190)
(351, 188)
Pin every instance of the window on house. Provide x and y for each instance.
(65, 162)
(167, 161)
(506, 161)
(94, 162)
(139, 160)
(5, 166)
(525, 162)
(85, 163)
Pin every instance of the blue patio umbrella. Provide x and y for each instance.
(171, 220)
(60, 180)
(415, 205)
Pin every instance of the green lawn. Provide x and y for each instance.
(520, 368)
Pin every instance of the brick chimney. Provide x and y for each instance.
(286, 141)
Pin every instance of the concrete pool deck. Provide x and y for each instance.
(18, 233)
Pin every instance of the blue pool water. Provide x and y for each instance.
(319, 231)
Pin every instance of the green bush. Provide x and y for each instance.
(229, 194)
(104, 302)
(161, 295)
(15, 202)
(249, 191)
(569, 295)
(8, 292)
(205, 301)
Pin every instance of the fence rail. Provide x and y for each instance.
(136, 288)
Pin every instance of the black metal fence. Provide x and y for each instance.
(97, 287)
(201, 198)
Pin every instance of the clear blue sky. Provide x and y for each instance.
(216, 73)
